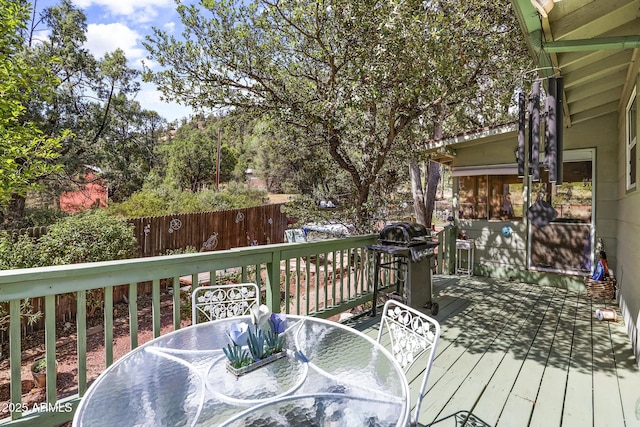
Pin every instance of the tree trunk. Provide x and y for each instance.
(418, 194)
(14, 211)
(433, 175)
(424, 203)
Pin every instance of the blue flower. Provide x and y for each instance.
(238, 333)
(278, 323)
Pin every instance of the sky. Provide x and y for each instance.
(123, 24)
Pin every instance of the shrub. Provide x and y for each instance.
(18, 251)
(87, 237)
(166, 200)
(38, 217)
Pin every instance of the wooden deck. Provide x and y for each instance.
(516, 354)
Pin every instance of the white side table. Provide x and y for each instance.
(465, 247)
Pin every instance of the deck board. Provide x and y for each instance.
(551, 390)
(522, 397)
(477, 360)
(578, 404)
(516, 354)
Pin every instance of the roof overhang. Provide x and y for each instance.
(593, 44)
(444, 150)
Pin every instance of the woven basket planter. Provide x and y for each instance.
(601, 289)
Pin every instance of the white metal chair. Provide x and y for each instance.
(223, 301)
(412, 334)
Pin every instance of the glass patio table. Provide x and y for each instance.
(332, 375)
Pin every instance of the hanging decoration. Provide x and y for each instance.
(559, 128)
(174, 225)
(535, 132)
(531, 143)
(211, 242)
(521, 132)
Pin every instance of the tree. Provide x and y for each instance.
(127, 151)
(351, 77)
(26, 153)
(94, 99)
(190, 158)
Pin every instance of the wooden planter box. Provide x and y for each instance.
(255, 365)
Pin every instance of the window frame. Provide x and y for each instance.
(631, 143)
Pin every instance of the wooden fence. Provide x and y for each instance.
(210, 231)
(206, 231)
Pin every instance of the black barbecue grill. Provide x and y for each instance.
(403, 264)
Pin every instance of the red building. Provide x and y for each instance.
(91, 193)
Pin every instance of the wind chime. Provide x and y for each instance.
(541, 212)
(529, 117)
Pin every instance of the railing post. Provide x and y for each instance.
(15, 342)
(50, 346)
(450, 232)
(272, 299)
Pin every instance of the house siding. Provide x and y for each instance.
(498, 256)
(628, 243)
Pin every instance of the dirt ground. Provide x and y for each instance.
(66, 351)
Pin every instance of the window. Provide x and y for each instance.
(564, 245)
(573, 199)
(632, 139)
(490, 196)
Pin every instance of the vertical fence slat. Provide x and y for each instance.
(287, 285)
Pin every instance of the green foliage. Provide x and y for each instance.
(36, 217)
(256, 344)
(274, 342)
(191, 157)
(39, 366)
(238, 356)
(94, 99)
(18, 251)
(27, 315)
(167, 200)
(26, 153)
(357, 83)
(87, 237)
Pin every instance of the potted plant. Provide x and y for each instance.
(39, 372)
(257, 346)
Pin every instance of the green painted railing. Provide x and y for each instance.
(318, 278)
(322, 279)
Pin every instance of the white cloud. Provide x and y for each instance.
(128, 7)
(103, 38)
(123, 24)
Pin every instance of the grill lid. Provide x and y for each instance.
(404, 234)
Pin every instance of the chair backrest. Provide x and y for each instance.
(222, 301)
(412, 334)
